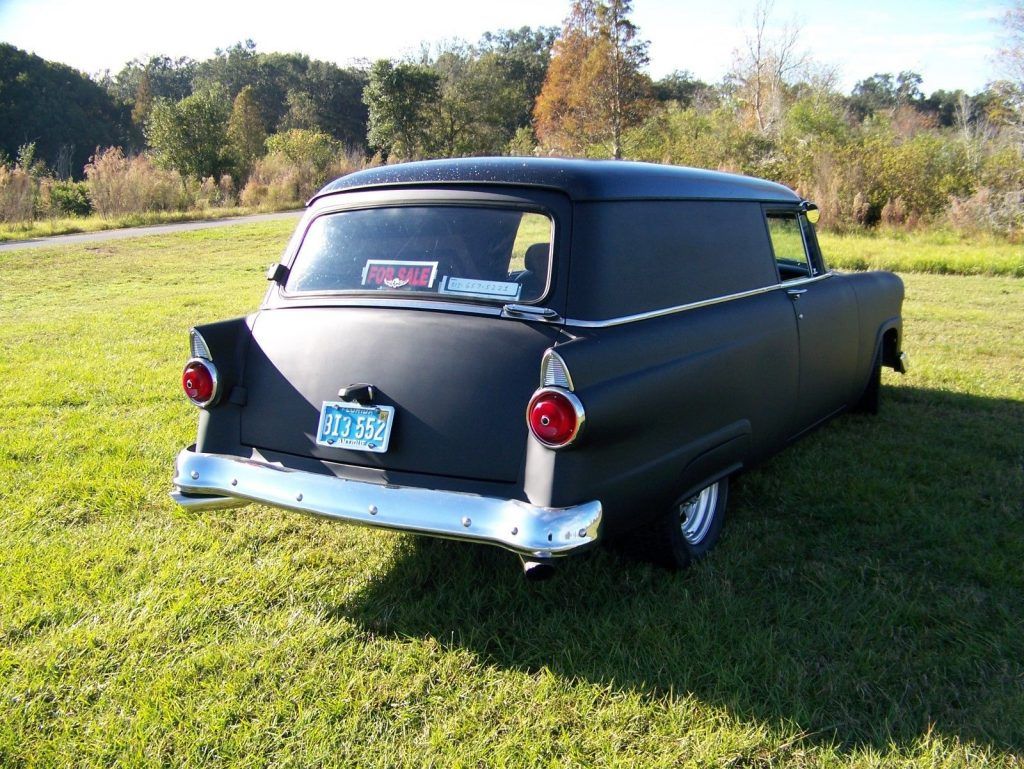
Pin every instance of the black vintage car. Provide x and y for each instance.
(533, 353)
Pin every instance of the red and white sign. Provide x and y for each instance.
(387, 273)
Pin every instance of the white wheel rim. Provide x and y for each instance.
(697, 514)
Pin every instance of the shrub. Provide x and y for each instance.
(304, 147)
(227, 190)
(65, 198)
(987, 210)
(280, 181)
(894, 212)
(17, 195)
(213, 193)
(121, 185)
(861, 210)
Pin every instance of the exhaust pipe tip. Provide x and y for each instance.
(538, 570)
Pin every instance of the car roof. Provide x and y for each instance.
(579, 179)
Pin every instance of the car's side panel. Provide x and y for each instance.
(669, 399)
(228, 342)
(829, 330)
(880, 301)
(631, 257)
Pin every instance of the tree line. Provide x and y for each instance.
(268, 127)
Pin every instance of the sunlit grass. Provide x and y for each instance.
(934, 251)
(863, 609)
(43, 228)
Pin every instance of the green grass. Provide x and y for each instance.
(44, 228)
(864, 608)
(933, 251)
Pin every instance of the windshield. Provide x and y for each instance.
(474, 252)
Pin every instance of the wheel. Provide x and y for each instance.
(868, 403)
(688, 531)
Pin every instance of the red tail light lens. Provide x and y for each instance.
(555, 416)
(199, 381)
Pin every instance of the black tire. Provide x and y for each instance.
(676, 539)
(868, 403)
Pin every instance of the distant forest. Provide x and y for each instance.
(276, 125)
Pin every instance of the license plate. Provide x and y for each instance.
(347, 426)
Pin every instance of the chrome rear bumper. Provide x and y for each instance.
(212, 481)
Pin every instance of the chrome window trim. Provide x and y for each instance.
(390, 303)
(622, 320)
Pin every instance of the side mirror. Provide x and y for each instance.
(811, 211)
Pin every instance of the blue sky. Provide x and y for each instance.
(952, 43)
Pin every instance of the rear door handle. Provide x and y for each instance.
(794, 293)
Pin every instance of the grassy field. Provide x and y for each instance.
(44, 228)
(865, 607)
(934, 251)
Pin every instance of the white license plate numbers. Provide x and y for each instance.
(348, 426)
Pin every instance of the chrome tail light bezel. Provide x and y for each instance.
(200, 355)
(214, 375)
(577, 406)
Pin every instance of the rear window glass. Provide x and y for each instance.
(458, 252)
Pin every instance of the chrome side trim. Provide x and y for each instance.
(554, 372)
(197, 345)
(528, 312)
(694, 305)
(339, 300)
(208, 481)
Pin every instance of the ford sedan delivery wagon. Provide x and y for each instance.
(533, 353)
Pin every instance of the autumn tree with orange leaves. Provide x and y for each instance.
(594, 88)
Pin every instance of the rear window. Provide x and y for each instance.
(457, 252)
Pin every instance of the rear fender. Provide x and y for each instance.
(227, 342)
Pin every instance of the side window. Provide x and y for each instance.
(818, 266)
(788, 243)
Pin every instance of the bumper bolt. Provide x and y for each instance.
(195, 475)
(234, 481)
(467, 522)
(515, 530)
(298, 497)
(373, 509)
(583, 532)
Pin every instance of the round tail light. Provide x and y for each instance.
(555, 417)
(199, 381)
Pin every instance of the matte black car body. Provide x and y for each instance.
(695, 349)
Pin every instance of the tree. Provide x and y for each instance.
(64, 113)
(762, 69)
(399, 98)
(143, 101)
(326, 98)
(165, 78)
(1012, 54)
(192, 135)
(232, 68)
(681, 87)
(882, 91)
(520, 58)
(594, 87)
(246, 132)
(1012, 58)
